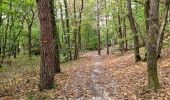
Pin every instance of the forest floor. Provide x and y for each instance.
(92, 77)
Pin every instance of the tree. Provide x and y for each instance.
(134, 31)
(30, 22)
(107, 30)
(80, 22)
(120, 35)
(98, 26)
(56, 38)
(68, 29)
(162, 28)
(153, 81)
(75, 32)
(47, 46)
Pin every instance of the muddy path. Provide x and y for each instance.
(90, 81)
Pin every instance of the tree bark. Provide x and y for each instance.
(146, 13)
(79, 28)
(63, 23)
(107, 30)
(29, 40)
(134, 31)
(47, 46)
(153, 81)
(98, 27)
(30, 24)
(56, 38)
(68, 29)
(1, 21)
(75, 33)
(161, 31)
(121, 44)
(125, 42)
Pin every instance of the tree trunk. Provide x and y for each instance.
(121, 45)
(30, 24)
(134, 31)
(98, 27)
(63, 23)
(153, 81)
(47, 46)
(161, 31)
(107, 30)
(1, 21)
(75, 33)
(29, 40)
(68, 29)
(124, 34)
(79, 28)
(56, 38)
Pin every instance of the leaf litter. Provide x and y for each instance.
(92, 77)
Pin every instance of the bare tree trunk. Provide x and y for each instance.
(121, 45)
(153, 81)
(30, 24)
(63, 22)
(125, 42)
(107, 30)
(134, 31)
(75, 33)
(98, 27)
(29, 40)
(1, 22)
(146, 13)
(161, 31)
(56, 38)
(68, 29)
(79, 28)
(47, 46)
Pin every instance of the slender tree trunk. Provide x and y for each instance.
(146, 13)
(47, 46)
(68, 29)
(30, 24)
(153, 81)
(161, 31)
(134, 31)
(63, 23)
(1, 21)
(29, 40)
(75, 33)
(98, 27)
(107, 30)
(56, 38)
(120, 35)
(125, 42)
(79, 28)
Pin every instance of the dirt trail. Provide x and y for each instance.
(90, 82)
(114, 77)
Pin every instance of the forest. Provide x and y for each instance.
(84, 50)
